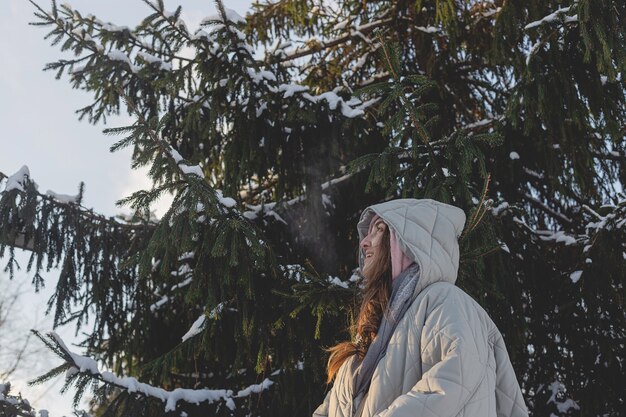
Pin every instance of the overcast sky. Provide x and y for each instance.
(41, 130)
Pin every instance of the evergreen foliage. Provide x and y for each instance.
(13, 405)
(272, 146)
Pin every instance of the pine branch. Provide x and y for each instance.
(544, 208)
(356, 34)
(554, 16)
(80, 369)
(233, 37)
(19, 239)
(478, 213)
(172, 20)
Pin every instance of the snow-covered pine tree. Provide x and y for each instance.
(13, 405)
(303, 113)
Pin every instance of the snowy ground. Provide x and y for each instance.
(40, 130)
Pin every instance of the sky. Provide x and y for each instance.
(41, 130)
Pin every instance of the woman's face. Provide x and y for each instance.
(371, 243)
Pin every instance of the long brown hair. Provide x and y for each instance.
(374, 299)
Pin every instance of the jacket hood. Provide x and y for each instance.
(427, 232)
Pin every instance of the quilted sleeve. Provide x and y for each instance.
(457, 362)
(322, 409)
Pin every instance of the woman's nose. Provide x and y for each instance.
(365, 242)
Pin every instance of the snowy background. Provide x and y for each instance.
(40, 130)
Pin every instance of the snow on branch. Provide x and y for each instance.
(24, 184)
(195, 329)
(266, 209)
(86, 366)
(15, 405)
(151, 59)
(188, 170)
(271, 208)
(533, 50)
(545, 208)
(565, 405)
(228, 19)
(184, 270)
(428, 29)
(319, 45)
(298, 273)
(117, 55)
(200, 323)
(21, 178)
(613, 221)
(334, 100)
(350, 109)
(184, 166)
(172, 18)
(554, 16)
(18, 180)
(63, 198)
(230, 14)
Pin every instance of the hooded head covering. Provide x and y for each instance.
(426, 232)
(399, 260)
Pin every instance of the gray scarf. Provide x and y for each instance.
(401, 298)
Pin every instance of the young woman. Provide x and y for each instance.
(423, 348)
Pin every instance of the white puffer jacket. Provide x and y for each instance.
(446, 358)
